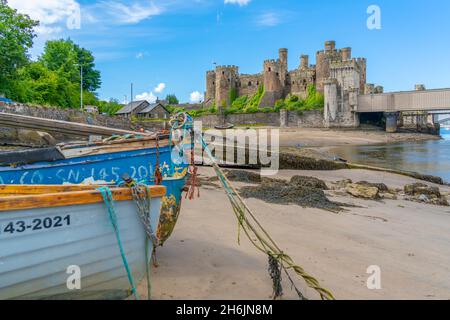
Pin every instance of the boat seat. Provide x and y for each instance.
(29, 156)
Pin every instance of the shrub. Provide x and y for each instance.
(314, 101)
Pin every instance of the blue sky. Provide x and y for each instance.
(166, 46)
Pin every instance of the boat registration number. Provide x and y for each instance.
(36, 224)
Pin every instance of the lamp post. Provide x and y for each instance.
(81, 85)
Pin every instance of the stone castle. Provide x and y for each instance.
(335, 69)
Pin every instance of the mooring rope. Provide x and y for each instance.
(264, 242)
(109, 201)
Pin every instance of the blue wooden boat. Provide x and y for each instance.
(49, 233)
(104, 163)
(74, 164)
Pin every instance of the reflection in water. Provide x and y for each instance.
(430, 157)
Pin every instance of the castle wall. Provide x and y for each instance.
(300, 79)
(249, 83)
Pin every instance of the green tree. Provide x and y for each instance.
(110, 107)
(232, 95)
(172, 99)
(66, 57)
(16, 38)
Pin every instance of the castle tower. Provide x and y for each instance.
(227, 79)
(331, 102)
(283, 57)
(322, 70)
(210, 86)
(323, 59)
(273, 88)
(304, 62)
(362, 63)
(346, 54)
(369, 88)
(330, 46)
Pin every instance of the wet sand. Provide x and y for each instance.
(409, 241)
(310, 137)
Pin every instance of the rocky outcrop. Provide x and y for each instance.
(308, 182)
(363, 191)
(420, 192)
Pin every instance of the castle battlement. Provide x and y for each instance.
(229, 67)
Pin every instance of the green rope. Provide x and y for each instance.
(109, 201)
(148, 270)
(259, 237)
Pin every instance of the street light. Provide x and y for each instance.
(81, 85)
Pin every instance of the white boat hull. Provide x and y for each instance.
(34, 263)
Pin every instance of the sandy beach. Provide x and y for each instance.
(409, 241)
(311, 137)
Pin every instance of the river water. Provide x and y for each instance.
(428, 157)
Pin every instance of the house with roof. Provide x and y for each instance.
(155, 111)
(144, 109)
(133, 108)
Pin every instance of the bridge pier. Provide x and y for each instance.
(391, 121)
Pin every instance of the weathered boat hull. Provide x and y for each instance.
(108, 167)
(35, 263)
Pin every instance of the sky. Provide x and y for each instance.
(166, 46)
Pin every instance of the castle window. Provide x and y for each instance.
(257, 83)
(293, 82)
(223, 72)
(270, 69)
(249, 83)
(278, 74)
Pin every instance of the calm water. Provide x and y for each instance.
(430, 157)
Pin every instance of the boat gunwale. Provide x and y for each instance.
(84, 195)
(163, 142)
(83, 159)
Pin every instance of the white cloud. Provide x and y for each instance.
(160, 88)
(131, 14)
(239, 2)
(139, 55)
(197, 97)
(270, 19)
(149, 96)
(51, 14)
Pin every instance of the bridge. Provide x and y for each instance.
(434, 102)
(444, 120)
(425, 100)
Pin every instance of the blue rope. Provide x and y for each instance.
(109, 201)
